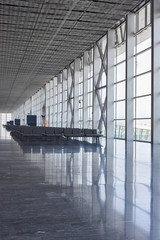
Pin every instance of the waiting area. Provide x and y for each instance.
(80, 120)
(26, 132)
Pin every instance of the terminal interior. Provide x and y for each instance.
(82, 65)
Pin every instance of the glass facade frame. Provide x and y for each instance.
(77, 97)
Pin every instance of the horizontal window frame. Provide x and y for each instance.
(142, 29)
(119, 119)
(143, 51)
(140, 74)
(146, 95)
(134, 119)
(121, 100)
(99, 88)
(115, 83)
(116, 64)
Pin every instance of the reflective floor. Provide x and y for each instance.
(77, 190)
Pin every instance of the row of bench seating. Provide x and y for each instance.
(27, 131)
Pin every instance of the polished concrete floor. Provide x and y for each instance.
(74, 190)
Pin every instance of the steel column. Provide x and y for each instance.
(129, 75)
(155, 71)
(76, 92)
(110, 87)
(85, 89)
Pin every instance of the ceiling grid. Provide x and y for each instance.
(38, 38)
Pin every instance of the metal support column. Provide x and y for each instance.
(76, 92)
(59, 112)
(64, 107)
(110, 118)
(54, 102)
(85, 89)
(110, 87)
(155, 71)
(129, 75)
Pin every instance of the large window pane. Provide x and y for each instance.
(143, 84)
(144, 40)
(142, 19)
(119, 91)
(119, 110)
(143, 107)
(121, 53)
(119, 128)
(120, 82)
(121, 71)
(142, 129)
(143, 62)
(142, 81)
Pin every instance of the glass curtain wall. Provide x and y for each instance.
(120, 82)
(142, 79)
(77, 97)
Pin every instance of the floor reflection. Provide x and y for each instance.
(118, 191)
